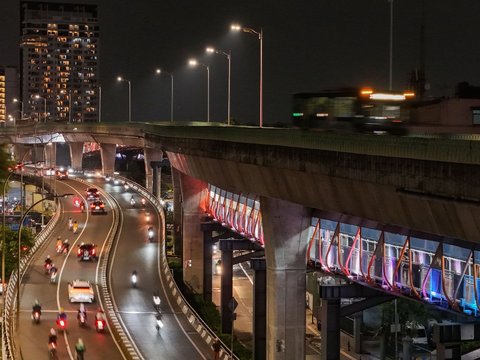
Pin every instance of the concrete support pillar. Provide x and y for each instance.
(259, 308)
(19, 150)
(149, 155)
(286, 228)
(207, 265)
(177, 212)
(357, 332)
(330, 319)
(50, 151)
(38, 153)
(226, 289)
(108, 153)
(76, 155)
(193, 193)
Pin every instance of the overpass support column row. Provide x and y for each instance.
(76, 155)
(152, 173)
(286, 228)
(108, 153)
(193, 210)
(259, 308)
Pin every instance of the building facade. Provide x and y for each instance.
(8, 88)
(60, 61)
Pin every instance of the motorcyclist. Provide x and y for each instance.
(83, 311)
(150, 232)
(52, 337)
(65, 246)
(62, 315)
(48, 261)
(53, 269)
(82, 206)
(80, 349)
(143, 201)
(156, 301)
(134, 277)
(132, 201)
(59, 242)
(100, 314)
(75, 226)
(70, 223)
(36, 307)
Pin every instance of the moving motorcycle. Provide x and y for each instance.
(159, 322)
(132, 202)
(134, 279)
(150, 233)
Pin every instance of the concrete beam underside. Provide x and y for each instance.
(363, 198)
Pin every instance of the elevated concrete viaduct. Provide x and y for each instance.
(421, 184)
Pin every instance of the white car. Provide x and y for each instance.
(80, 291)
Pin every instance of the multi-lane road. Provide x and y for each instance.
(134, 306)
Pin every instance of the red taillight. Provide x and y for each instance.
(93, 251)
(79, 252)
(62, 323)
(102, 206)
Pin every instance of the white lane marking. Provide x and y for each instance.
(109, 279)
(110, 202)
(168, 300)
(245, 272)
(63, 266)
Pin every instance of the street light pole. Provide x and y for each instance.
(129, 97)
(159, 71)
(193, 62)
(45, 106)
(228, 55)
(236, 27)
(390, 82)
(99, 104)
(15, 100)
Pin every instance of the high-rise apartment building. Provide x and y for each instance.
(8, 89)
(60, 61)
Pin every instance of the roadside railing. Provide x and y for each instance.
(10, 348)
(207, 334)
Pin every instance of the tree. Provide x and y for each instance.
(11, 241)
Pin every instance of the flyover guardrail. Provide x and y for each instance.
(10, 349)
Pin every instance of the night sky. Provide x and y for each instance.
(308, 46)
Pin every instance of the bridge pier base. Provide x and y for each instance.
(76, 155)
(259, 308)
(108, 153)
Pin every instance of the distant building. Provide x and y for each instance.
(461, 111)
(8, 89)
(60, 61)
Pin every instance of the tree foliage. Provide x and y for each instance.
(5, 162)
(11, 242)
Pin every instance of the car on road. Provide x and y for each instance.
(93, 194)
(87, 251)
(97, 207)
(80, 291)
(62, 174)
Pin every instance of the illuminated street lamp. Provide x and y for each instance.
(120, 79)
(158, 72)
(228, 55)
(236, 27)
(193, 62)
(15, 100)
(45, 106)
